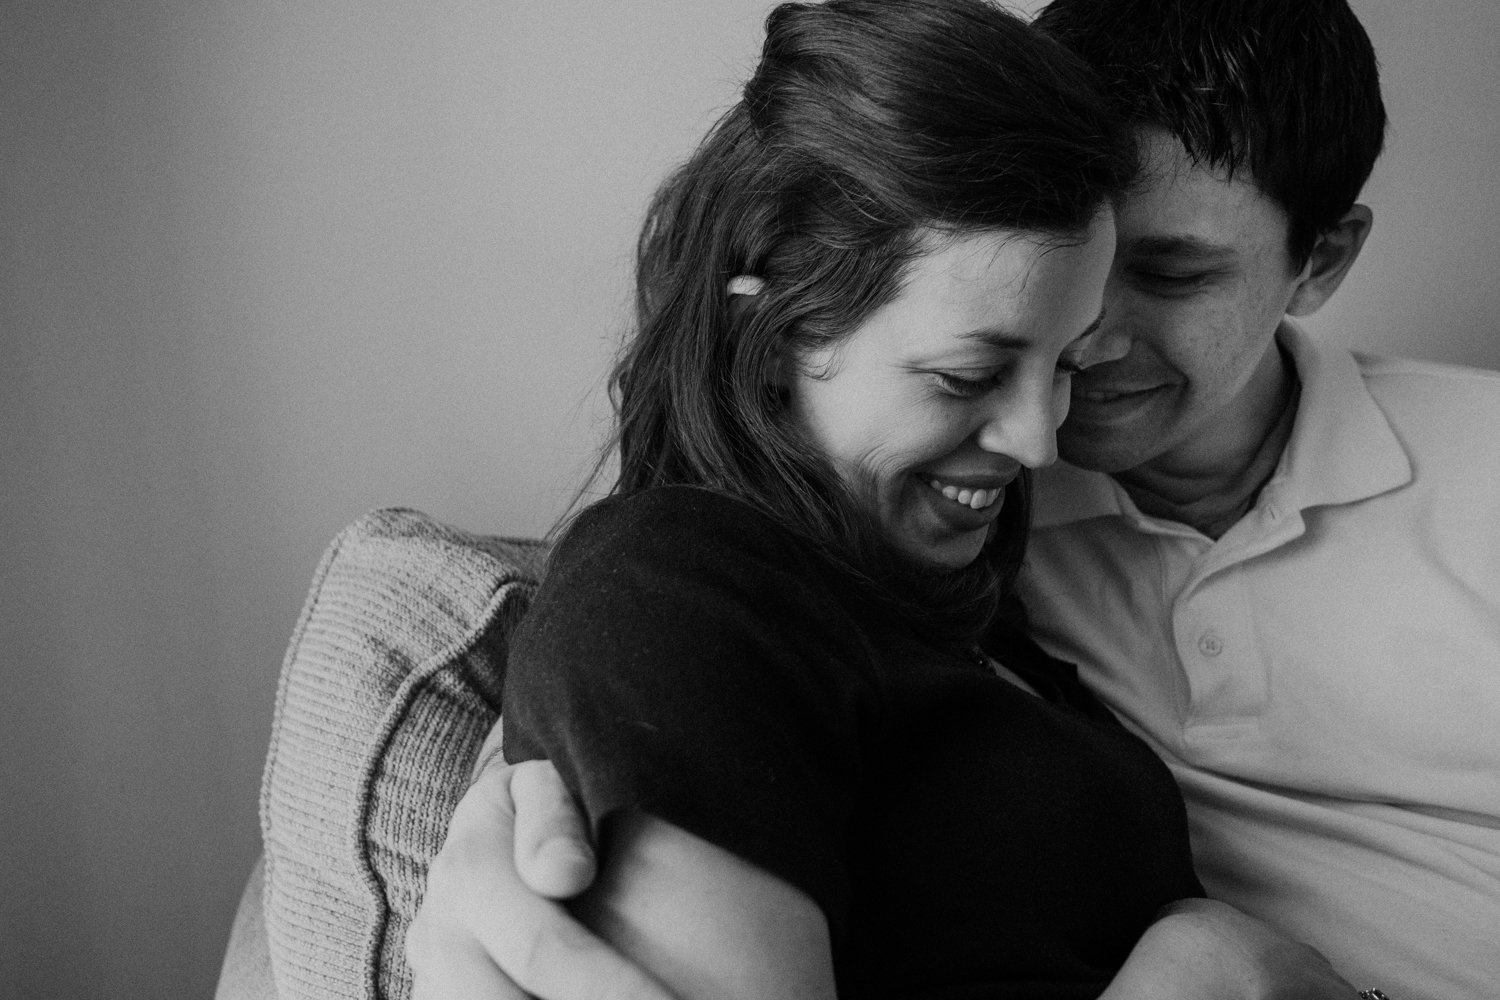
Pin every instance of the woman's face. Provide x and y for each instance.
(932, 405)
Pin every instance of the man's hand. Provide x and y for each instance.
(486, 929)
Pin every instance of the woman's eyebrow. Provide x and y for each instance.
(1014, 341)
(998, 338)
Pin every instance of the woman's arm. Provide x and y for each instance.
(485, 911)
(711, 925)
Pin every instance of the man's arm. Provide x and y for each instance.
(705, 922)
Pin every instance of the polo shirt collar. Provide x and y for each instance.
(1342, 448)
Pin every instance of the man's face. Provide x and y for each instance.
(1200, 281)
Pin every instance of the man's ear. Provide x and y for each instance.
(1332, 256)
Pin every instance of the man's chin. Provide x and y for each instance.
(1119, 432)
(1096, 452)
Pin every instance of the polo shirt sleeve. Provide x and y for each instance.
(687, 657)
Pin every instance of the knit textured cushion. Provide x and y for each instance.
(390, 685)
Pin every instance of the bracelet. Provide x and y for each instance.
(1372, 995)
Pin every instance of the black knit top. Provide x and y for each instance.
(689, 657)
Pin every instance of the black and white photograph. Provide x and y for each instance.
(860, 499)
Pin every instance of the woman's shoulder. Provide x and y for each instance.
(690, 568)
(681, 582)
(676, 508)
(690, 528)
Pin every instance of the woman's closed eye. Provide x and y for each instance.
(966, 386)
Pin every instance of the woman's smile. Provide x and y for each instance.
(974, 497)
(956, 511)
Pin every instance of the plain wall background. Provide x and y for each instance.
(267, 266)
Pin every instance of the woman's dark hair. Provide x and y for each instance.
(869, 126)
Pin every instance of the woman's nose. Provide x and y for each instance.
(1023, 425)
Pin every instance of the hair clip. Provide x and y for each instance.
(746, 284)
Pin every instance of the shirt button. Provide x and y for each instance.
(1210, 644)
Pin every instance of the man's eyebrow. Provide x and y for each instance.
(1016, 342)
(1179, 245)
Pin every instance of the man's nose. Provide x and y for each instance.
(1108, 343)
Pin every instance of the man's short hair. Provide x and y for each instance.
(1288, 90)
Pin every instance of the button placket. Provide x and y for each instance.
(1226, 673)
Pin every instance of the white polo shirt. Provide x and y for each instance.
(1323, 680)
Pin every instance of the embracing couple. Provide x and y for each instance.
(858, 689)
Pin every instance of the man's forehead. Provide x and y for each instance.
(1181, 207)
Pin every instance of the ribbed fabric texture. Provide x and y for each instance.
(390, 684)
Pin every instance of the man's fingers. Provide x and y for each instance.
(553, 854)
(541, 947)
(447, 960)
(454, 970)
(553, 957)
(482, 934)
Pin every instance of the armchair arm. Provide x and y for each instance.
(246, 974)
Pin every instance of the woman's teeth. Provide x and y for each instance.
(976, 499)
